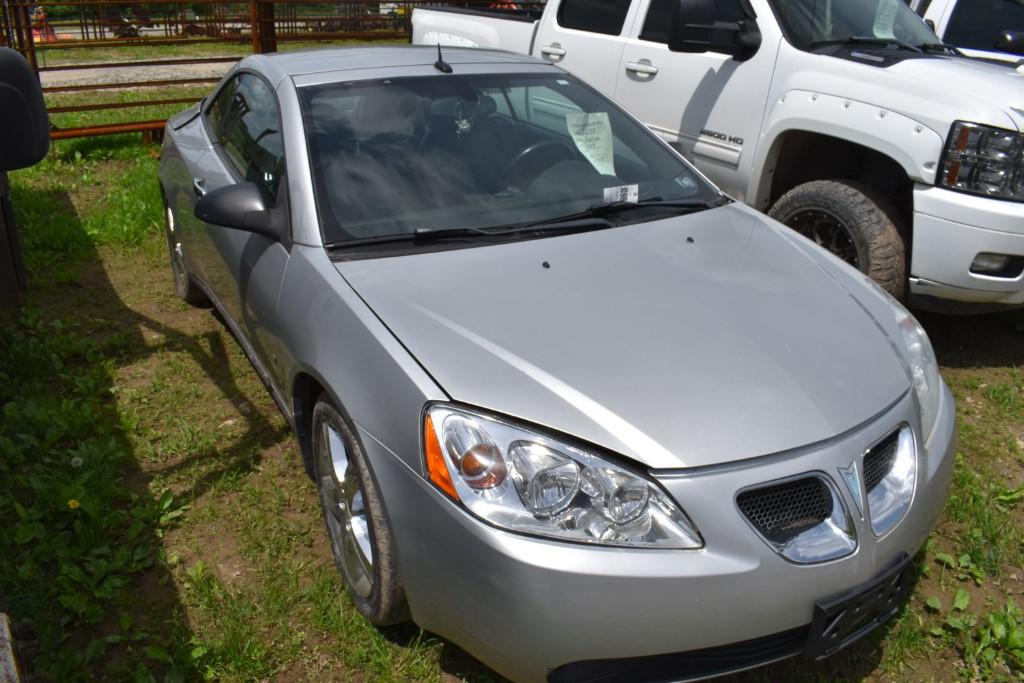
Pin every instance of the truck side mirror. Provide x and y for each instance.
(24, 124)
(1010, 41)
(697, 28)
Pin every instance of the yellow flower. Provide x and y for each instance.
(73, 504)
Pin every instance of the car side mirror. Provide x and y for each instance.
(930, 23)
(695, 29)
(241, 207)
(1010, 41)
(24, 123)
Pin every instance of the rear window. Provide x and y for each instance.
(595, 16)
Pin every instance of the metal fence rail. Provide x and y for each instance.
(102, 47)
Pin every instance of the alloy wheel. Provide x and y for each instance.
(344, 504)
(826, 230)
(177, 255)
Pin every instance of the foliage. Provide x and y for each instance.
(77, 533)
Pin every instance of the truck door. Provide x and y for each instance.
(709, 106)
(586, 37)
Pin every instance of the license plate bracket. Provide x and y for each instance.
(840, 621)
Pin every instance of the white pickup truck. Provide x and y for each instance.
(985, 29)
(847, 121)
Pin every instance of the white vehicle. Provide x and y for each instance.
(986, 29)
(846, 120)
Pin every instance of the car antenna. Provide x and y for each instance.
(441, 65)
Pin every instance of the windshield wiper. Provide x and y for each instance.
(936, 47)
(599, 211)
(420, 235)
(866, 40)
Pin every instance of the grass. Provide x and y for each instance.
(163, 529)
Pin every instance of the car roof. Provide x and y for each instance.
(277, 66)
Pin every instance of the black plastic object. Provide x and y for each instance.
(728, 28)
(1011, 41)
(24, 123)
(242, 207)
(840, 622)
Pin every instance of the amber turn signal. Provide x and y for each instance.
(436, 468)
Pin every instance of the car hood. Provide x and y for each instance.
(684, 342)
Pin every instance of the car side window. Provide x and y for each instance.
(219, 106)
(250, 135)
(595, 16)
(976, 24)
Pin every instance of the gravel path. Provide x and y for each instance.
(126, 74)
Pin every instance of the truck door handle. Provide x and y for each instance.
(553, 50)
(199, 187)
(643, 67)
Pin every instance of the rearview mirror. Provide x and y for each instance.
(1010, 41)
(242, 207)
(24, 124)
(697, 28)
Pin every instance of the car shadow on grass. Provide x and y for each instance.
(974, 341)
(143, 624)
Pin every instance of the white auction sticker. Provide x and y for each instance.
(592, 133)
(622, 193)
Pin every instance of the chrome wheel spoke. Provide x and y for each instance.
(344, 503)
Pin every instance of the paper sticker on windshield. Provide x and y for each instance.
(885, 18)
(592, 133)
(622, 193)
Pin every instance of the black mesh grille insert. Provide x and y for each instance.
(784, 511)
(879, 460)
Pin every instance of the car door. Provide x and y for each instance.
(709, 106)
(585, 37)
(245, 269)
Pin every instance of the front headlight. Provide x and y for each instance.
(924, 369)
(984, 160)
(518, 479)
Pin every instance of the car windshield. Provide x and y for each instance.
(479, 152)
(809, 23)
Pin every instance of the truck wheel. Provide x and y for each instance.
(853, 222)
(357, 527)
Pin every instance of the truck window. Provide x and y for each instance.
(658, 22)
(976, 23)
(595, 16)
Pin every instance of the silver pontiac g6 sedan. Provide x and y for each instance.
(566, 404)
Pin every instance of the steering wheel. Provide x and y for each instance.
(529, 162)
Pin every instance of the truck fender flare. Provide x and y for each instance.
(911, 144)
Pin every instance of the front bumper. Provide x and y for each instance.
(950, 229)
(526, 606)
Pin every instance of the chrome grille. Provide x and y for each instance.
(784, 511)
(879, 460)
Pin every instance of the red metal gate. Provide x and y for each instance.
(96, 47)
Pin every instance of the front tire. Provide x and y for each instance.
(184, 286)
(853, 222)
(358, 529)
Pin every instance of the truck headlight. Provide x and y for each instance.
(984, 160)
(519, 479)
(924, 369)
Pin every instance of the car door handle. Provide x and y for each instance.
(553, 50)
(642, 68)
(199, 187)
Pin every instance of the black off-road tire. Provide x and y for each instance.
(184, 284)
(386, 604)
(864, 215)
